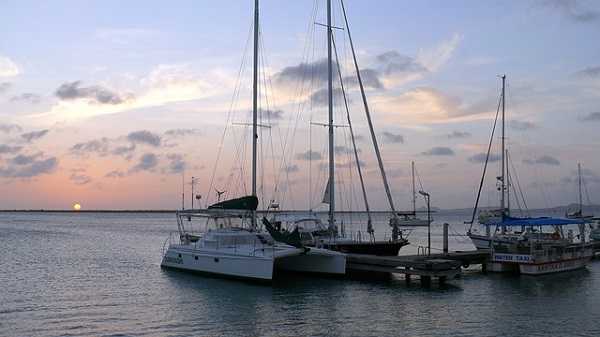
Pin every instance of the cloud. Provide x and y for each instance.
(79, 178)
(125, 151)
(28, 166)
(271, 114)
(458, 134)
(9, 149)
(182, 132)
(96, 94)
(370, 79)
(392, 137)
(589, 72)
(8, 128)
(27, 97)
(314, 72)
(8, 68)
(115, 174)
(480, 158)
(100, 146)
(147, 162)
(397, 69)
(176, 163)
(439, 151)
(31, 136)
(572, 10)
(434, 58)
(420, 105)
(321, 96)
(591, 117)
(309, 155)
(543, 160)
(4, 86)
(291, 168)
(144, 137)
(24, 159)
(521, 125)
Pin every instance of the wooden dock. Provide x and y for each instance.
(427, 267)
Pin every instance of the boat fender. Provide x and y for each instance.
(465, 264)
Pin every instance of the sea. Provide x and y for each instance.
(99, 274)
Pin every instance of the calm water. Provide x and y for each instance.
(99, 275)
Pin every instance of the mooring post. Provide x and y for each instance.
(446, 238)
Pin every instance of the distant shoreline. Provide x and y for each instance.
(86, 211)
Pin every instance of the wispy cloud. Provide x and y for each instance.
(543, 160)
(27, 97)
(390, 137)
(589, 72)
(182, 132)
(8, 68)
(573, 10)
(94, 94)
(521, 125)
(309, 155)
(480, 158)
(4, 148)
(591, 117)
(458, 134)
(147, 162)
(4, 86)
(8, 128)
(144, 137)
(439, 151)
(31, 136)
(23, 166)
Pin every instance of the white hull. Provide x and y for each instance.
(553, 267)
(321, 261)
(211, 262)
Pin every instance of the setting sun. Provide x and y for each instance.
(76, 207)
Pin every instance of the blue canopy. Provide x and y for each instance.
(541, 221)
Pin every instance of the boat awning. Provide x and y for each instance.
(540, 221)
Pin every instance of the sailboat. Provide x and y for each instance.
(231, 244)
(313, 231)
(579, 214)
(527, 245)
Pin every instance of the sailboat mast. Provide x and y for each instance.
(255, 105)
(414, 194)
(579, 182)
(502, 176)
(330, 101)
(368, 113)
(507, 184)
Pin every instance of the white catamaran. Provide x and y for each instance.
(231, 244)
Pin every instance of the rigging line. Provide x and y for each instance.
(356, 157)
(519, 188)
(487, 157)
(229, 113)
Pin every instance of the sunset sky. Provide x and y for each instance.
(111, 104)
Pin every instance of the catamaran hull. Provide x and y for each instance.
(235, 266)
(553, 267)
(380, 248)
(319, 261)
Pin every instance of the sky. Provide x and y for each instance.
(118, 105)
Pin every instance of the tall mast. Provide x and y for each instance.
(502, 176)
(255, 105)
(579, 181)
(330, 100)
(508, 180)
(414, 195)
(358, 167)
(368, 113)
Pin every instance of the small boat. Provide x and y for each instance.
(595, 232)
(538, 252)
